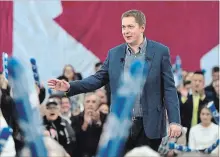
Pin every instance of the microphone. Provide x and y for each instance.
(122, 60)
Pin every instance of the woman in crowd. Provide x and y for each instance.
(69, 74)
(204, 134)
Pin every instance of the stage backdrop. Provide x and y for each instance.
(56, 33)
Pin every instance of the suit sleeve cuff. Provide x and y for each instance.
(66, 93)
(175, 124)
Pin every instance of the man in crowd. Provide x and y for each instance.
(66, 108)
(216, 94)
(190, 109)
(101, 93)
(58, 128)
(88, 126)
(210, 91)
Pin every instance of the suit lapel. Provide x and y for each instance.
(149, 55)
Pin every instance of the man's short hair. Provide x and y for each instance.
(137, 14)
(215, 69)
(64, 96)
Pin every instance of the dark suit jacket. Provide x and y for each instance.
(159, 91)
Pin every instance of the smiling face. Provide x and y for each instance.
(132, 31)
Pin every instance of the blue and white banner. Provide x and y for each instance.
(188, 149)
(214, 111)
(35, 71)
(5, 64)
(116, 128)
(29, 117)
(4, 135)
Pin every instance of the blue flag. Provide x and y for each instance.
(116, 128)
(29, 117)
(4, 135)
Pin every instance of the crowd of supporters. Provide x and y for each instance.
(73, 125)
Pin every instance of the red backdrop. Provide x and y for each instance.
(190, 29)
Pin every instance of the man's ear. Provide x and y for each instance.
(142, 28)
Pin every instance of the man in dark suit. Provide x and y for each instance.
(158, 93)
(210, 91)
(190, 109)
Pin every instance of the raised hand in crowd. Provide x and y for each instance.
(96, 117)
(3, 83)
(183, 91)
(87, 119)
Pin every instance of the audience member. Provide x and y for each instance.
(189, 110)
(101, 93)
(106, 87)
(216, 94)
(204, 134)
(88, 126)
(59, 128)
(66, 108)
(210, 91)
(41, 93)
(9, 147)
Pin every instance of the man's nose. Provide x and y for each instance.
(125, 30)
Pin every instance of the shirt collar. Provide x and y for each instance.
(142, 45)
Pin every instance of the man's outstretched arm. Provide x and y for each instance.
(91, 83)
